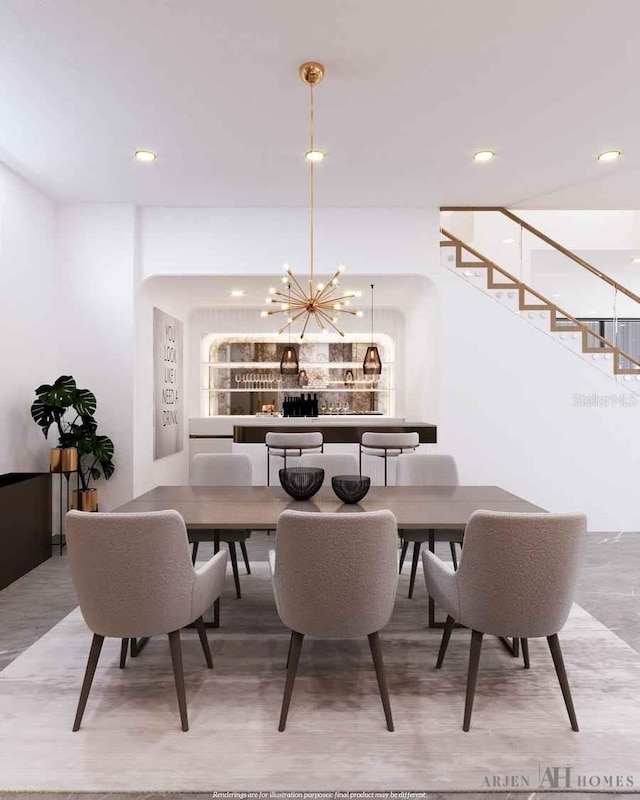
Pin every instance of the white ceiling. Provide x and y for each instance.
(413, 88)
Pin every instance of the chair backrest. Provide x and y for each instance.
(221, 469)
(132, 572)
(429, 469)
(518, 572)
(294, 440)
(396, 441)
(331, 463)
(336, 574)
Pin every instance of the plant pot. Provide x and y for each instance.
(84, 499)
(64, 459)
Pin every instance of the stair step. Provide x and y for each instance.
(494, 285)
(471, 264)
(447, 243)
(564, 328)
(535, 307)
(597, 349)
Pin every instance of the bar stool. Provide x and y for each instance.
(387, 445)
(282, 445)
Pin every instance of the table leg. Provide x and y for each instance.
(432, 605)
(216, 605)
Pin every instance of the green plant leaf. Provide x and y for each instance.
(60, 394)
(42, 415)
(84, 402)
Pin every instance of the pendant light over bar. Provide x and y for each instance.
(289, 361)
(320, 301)
(372, 365)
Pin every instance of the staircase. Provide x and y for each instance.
(519, 295)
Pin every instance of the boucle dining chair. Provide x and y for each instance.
(517, 578)
(332, 463)
(281, 445)
(387, 445)
(335, 576)
(426, 469)
(133, 577)
(223, 469)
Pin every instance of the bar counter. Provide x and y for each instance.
(337, 430)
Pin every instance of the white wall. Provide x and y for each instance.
(173, 469)
(510, 418)
(97, 270)
(255, 241)
(28, 319)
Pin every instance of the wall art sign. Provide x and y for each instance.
(168, 413)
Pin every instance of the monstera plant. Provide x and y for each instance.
(80, 446)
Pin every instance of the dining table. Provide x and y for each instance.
(255, 508)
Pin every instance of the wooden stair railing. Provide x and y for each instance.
(545, 304)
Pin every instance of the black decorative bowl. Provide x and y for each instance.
(351, 488)
(301, 483)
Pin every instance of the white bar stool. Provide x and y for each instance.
(282, 445)
(387, 445)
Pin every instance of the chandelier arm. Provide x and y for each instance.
(330, 286)
(300, 289)
(330, 321)
(304, 327)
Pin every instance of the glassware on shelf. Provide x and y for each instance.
(330, 407)
(323, 406)
(238, 379)
(345, 407)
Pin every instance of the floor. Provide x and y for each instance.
(608, 590)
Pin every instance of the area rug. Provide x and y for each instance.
(336, 739)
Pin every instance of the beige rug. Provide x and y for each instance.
(336, 738)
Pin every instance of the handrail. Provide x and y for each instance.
(552, 243)
(521, 284)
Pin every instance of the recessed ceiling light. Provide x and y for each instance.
(314, 155)
(145, 155)
(508, 241)
(609, 155)
(237, 293)
(556, 295)
(483, 155)
(635, 260)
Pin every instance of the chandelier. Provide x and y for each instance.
(321, 301)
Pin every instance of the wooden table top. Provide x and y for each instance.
(258, 507)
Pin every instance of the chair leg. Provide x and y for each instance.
(92, 663)
(472, 677)
(245, 555)
(525, 653)
(178, 675)
(124, 646)
(516, 647)
(194, 553)
(381, 675)
(446, 635)
(454, 555)
(414, 567)
(268, 468)
(202, 633)
(234, 567)
(360, 458)
(385, 467)
(558, 662)
(292, 668)
(403, 553)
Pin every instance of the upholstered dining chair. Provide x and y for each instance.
(332, 464)
(335, 576)
(426, 469)
(223, 469)
(387, 445)
(517, 578)
(283, 445)
(134, 579)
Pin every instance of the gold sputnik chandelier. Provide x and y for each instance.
(320, 301)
